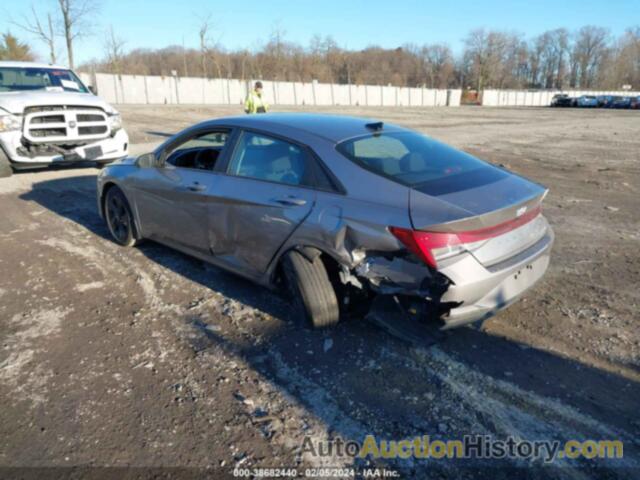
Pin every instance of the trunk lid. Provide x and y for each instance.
(495, 212)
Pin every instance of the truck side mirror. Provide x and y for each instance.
(92, 89)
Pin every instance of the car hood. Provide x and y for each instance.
(16, 102)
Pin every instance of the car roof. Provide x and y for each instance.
(334, 128)
(31, 64)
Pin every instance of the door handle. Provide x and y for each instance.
(291, 201)
(197, 187)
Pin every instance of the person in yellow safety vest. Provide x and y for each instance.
(254, 102)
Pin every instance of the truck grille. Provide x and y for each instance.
(48, 119)
(57, 108)
(74, 124)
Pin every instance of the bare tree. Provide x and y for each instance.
(534, 61)
(484, 51)
(184, 59)
(438, 61)
(114, 47)
(589, 50)
(74, 16)
(551, 48)
(626, 66)
(42, 30)
(477, 56)
(277, 46)
(203, 35)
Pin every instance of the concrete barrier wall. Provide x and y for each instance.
(456, 96)
(415, 97)
(143, 89)
(536, 98)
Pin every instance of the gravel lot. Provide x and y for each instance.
(145, 357)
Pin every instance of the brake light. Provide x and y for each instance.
(434, 246)
(425, 244)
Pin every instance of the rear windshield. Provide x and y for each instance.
(416, 161)
(16, 79)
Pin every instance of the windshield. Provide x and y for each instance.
(416, 160)
(20, 79)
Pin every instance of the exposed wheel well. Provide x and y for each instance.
(346, 293)
(108, 186)
(332, 266)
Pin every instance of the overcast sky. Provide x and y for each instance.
(354, 24)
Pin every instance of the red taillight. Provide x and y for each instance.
(424, 244)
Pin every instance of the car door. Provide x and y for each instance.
(266, 193)
(172, 199)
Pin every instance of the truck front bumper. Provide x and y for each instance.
(111, 148)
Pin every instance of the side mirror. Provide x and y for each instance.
(148, 160)
(92, 89)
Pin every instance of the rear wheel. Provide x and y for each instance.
(311, 288)
(5, 166)
(119, 218)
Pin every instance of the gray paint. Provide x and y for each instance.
(242, 225)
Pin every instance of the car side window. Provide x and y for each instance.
(200, 152)
(266, 158)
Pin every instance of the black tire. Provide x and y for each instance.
(5, 166)
(119, 218)
(311, 288)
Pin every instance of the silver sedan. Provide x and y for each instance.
(340, 211)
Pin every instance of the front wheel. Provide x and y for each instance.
(119, 218)
(311, 288)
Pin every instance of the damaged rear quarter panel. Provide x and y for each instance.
(353, 230)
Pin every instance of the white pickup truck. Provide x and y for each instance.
(48, 116)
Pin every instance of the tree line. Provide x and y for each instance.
(587, 58)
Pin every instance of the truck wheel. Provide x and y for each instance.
(313, 293)
(119, 218)
(5, 166)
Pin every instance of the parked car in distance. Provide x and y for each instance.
(337, 209)
(635, 103)
(604, 101)
(561, 100)
(48, 116)
(621, 102)
(614, 99)
(556, 97)
(586, 101)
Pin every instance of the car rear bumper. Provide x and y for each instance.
(482, 292)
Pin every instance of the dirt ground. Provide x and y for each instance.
(147, 358)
